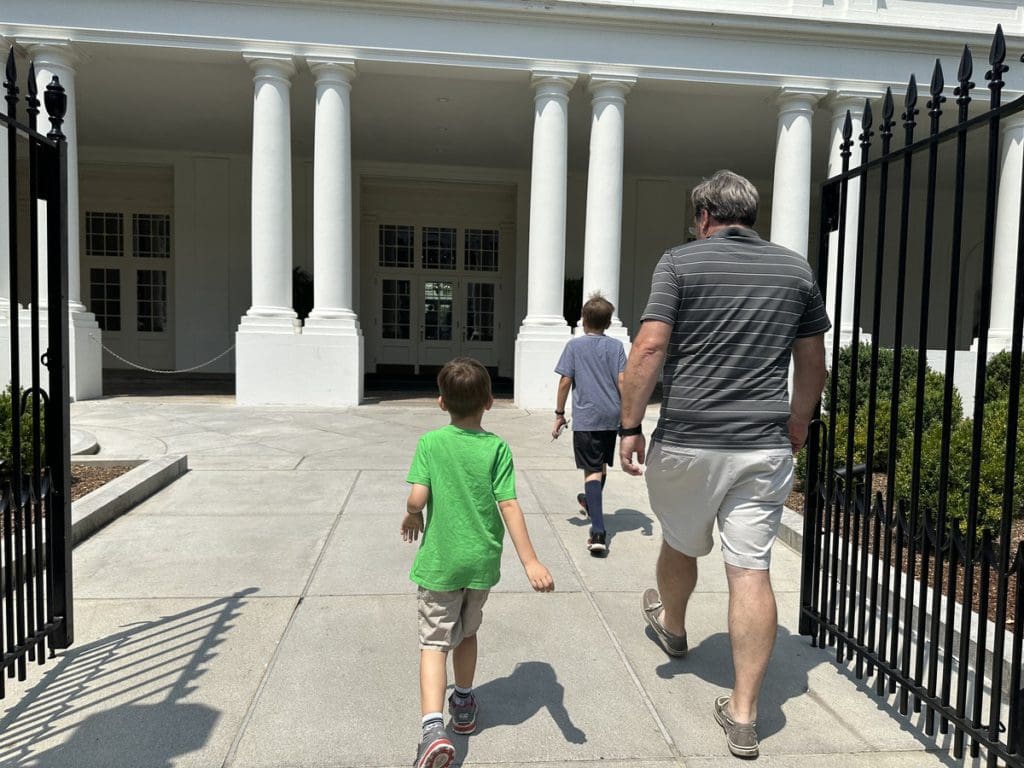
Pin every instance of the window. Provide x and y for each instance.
(394, 245)
(105, 297)
(151, 235)
(479, 311)
(151, 298)
(438, 299)
(395, 307)
(482, 250)
(439, 248)
(104, 234)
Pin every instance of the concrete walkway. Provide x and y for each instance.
(258, 612)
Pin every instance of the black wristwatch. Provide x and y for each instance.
(559, 413)
(631, 431)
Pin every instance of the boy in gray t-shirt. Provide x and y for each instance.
(591, 366)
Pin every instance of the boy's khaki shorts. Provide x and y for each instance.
(691, 489)
(446, 618)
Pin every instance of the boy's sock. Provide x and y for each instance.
(462, 694)
(595, 507)
(432, 719)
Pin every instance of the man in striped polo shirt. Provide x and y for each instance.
(726, 315)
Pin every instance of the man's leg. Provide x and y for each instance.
(752, 627)
(677, 578)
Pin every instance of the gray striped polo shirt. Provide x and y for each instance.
(736, 304)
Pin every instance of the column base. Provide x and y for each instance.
(260, 324)
(85, 352)
(274, 368)
(331, 326)
(538, 348)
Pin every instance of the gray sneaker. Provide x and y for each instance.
(742, 737)
(463, 714)
(435, 749)
(673, 645)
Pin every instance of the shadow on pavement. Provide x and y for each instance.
(619, 521)
(118, 701)
(512, 700)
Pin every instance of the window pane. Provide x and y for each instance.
(394, 245)
(151, 235)
(104, 234)
(438, 248)
(394, 320)
(481, 246)
(480, 312)
(104, 298)
(151, 300)
(438, 300)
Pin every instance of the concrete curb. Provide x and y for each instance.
(791, 530)
(108, 502)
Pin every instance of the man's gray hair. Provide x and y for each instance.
(727, 197)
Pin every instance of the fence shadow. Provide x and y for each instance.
(119, 701)
(622, 520)
(514, 699)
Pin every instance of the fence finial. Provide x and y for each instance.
(996, 57)
(56, 101)
(888, 108)
(866, 121)
(846, 133)
(11, 83)
(32, 96)
(935, 103)
(910, 104)
(963, 90)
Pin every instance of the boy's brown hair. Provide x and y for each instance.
(597, 312)
(465, 386)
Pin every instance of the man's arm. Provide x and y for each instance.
(808, 382)
(643, 368)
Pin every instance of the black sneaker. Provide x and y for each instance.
(597, 544)
(581, 498)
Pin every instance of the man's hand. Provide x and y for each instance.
(556, 430)
(540, 577)
(797, 433)
(630, 446)
(412, 524)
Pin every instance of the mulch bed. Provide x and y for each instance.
(796, 503)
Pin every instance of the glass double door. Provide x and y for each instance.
(426, 320)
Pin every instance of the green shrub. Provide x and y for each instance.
(997, 377)
(993, 453)
(6, 420)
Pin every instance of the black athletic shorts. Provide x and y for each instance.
(592, 449)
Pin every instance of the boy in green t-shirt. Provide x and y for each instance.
(463, 475)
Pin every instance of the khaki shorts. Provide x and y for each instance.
(692, 488)
(446, 618)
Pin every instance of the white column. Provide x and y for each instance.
(328, 359)
(602, 247)
(791, 184)
(271, 308)
(332, 196)
(1007, 220)
(544, 330)
(56, 58)
(840, 104)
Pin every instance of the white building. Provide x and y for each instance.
(441, 166)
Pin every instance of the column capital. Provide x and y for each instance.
(839, 101)
(52, 53)
(552, 84)
(799, 99)
(331, 69)
(610, 87)
(271, 66)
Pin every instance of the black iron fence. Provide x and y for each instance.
(35, 506)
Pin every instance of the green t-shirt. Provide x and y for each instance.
(468, 473)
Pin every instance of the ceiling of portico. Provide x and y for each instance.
(169, 99)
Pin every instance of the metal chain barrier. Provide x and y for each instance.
(158, 370)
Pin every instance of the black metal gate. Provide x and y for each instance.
(35, 504)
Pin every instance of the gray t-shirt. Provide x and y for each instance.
(593, 362)
(736, 304)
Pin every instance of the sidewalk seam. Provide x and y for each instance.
(585, 589)
(229, 758)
